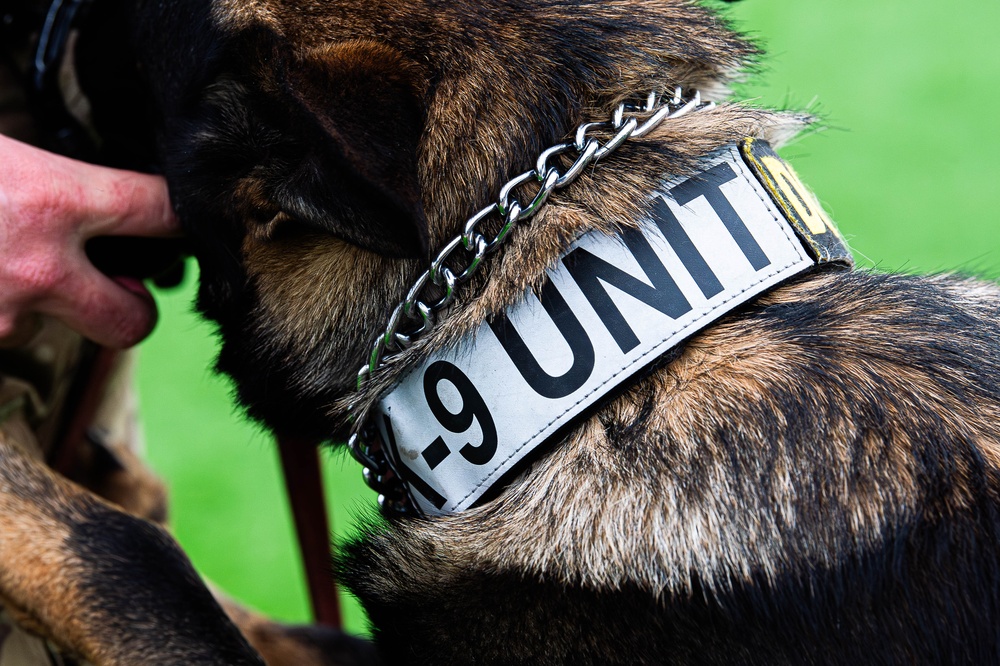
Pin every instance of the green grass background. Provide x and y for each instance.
(908, 166)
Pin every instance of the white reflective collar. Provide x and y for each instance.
(459, 422)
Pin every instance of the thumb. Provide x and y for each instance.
(124, 203)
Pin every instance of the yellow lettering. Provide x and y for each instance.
(803, 201)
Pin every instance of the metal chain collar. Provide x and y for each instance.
(436, 287)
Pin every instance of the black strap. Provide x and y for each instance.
(33, 43)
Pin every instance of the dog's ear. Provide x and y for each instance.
(362, 117)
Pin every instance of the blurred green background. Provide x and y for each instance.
(907, 165)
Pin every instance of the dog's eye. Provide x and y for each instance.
(283, 227)
(279, 227)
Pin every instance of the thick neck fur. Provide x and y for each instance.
(804, 482)
(614, 195)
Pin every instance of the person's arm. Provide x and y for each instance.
(49, 207)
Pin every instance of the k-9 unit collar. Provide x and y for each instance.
(465, 419)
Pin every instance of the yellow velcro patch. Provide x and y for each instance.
(797, 202)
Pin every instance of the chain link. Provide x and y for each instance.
(463, 256)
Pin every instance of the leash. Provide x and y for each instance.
(32, 40)
(304, 485)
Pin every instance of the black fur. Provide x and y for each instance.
(114, 550)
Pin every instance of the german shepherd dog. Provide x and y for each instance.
(812, 479)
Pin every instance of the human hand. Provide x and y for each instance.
(50, 206)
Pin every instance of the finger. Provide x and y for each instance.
(123, 203)
(93, 200)
(116, 313)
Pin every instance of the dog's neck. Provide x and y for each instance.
(615, 200)
(419, 414)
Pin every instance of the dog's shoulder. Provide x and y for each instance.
(834, 430)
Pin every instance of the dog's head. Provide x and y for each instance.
(319, 151)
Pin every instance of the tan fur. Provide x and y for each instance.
(300, 283)
(34, 558)
(282, 645)
(549, 524)
(130, 484)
